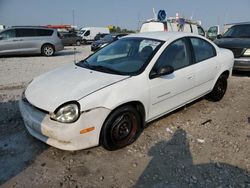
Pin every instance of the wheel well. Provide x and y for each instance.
(226, 73)
(137, 105)
(48, 44)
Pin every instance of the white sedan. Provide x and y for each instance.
(108, 97)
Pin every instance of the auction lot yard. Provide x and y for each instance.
(204, 144)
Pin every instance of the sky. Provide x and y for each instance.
(123, 13)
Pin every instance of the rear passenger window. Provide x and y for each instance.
(202, 49)
(25, 32)
(175, 55)
(44, 32)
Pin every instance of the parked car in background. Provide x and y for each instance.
(213, 32)
(88, 33)
(237, 39)
(30, 40)
(106, 40)
(69, 39)
(172, 25)
(112, 94)
(100, 36)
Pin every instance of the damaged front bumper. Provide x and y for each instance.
(70, 136)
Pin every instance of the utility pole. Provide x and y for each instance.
(73, 16)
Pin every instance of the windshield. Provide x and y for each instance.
(81, 32)
(238, 31)
(126, 56)
(107, 37)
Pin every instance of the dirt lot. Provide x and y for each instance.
(205, 144)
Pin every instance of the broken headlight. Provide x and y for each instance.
(67, 113)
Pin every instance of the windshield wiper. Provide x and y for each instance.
(105, 69)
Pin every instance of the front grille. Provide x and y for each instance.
(238, 52)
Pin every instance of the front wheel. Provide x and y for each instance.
(48, 50)
(121, 128)
(219, 89)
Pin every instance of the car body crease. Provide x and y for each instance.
(104, 87)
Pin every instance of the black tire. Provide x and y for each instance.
(219, 89)
(121, 128)
(78, 43)
(84, 42)
(48, 50)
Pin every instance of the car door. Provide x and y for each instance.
(205, 64)
(87, 35)
(174, 90)
(8, 42)
(66, 39)
(26, 39)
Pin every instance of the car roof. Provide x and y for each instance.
(161, 35)
(30, 27)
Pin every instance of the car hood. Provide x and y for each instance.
(99, 42)
(69, 83)
(233, 42)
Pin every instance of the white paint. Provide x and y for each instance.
(104, 92)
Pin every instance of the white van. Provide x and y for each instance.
(2, 27)
(172, 25)
(88, 33)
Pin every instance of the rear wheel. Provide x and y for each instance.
(121, 128)
(78, 43)
(219, 89)
(48, 50)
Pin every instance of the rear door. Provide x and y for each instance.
(174, 90)
(66, 39)
(204, 65)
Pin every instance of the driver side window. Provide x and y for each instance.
(176, 55)
(87, 33)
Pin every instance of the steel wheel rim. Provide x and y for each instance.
(124, 128)
(221, 87)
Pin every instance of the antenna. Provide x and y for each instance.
(73, 19)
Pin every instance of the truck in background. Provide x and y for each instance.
(214, 31)
(88, 33)
(2, 27)
(173, 24)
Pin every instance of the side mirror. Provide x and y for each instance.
(219, 36)
(161, 72)
(1, 38)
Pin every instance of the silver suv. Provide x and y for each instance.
(30, 40)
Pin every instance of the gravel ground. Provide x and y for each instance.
(205, 144)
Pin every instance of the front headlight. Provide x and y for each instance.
(247, 52)
(68, 113)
